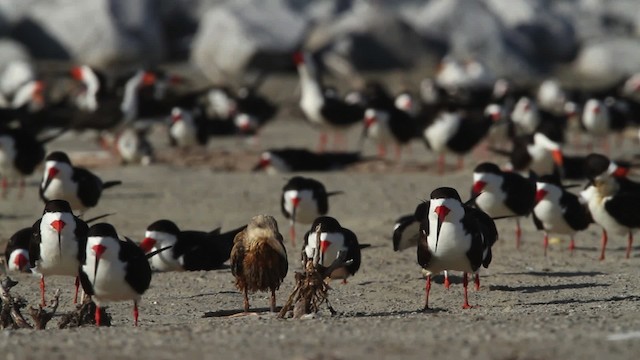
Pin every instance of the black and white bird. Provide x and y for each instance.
(329, 112)
(57, 244)
(389, 126)
(535, 153)
(191, 250)
(406, 234)
(302, 201)
(287, 160)
(617, 211)
(454, 236)
(558, 211)
(457, 132)
(80, 187)
(329, 238)
(601, 117)
(20, 153)
(16, 254)
(113, 269)
(503, 194)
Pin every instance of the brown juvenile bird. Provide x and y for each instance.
(259, 259)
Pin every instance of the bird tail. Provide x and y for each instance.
(98, 217)
(364, 246)
(331, 193)
(109, 184)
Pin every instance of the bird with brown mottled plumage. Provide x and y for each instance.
(259, 258)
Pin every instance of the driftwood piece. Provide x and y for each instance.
(10, 314)
(311, 290)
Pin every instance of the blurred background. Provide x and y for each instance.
(591, 41)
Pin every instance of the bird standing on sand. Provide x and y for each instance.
(57, 244)
(454, 236)
(259, 258)
(558, 211)
(114, 270)
(80, 187)
(502, 194)
(303, 200)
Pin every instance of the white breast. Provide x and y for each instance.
(552, 217)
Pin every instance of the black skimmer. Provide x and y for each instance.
(390, 125)
(80, 187)
(98, 104)
(190, 250)
(259, 258)
(616, 211)
(601, 118)
(113, 269)
(184, 131)
(333, 240)
(558, 211)
(458, 132)
(535, 153)
(16, 253)
(20, 153)
(551, 97)
(58, 243)
(133, 146)
(331, 113)
(454, 236)
(599, 166)
(302, 201)
(255, 107)
(294, 159)
(503, 194)
(406, 234)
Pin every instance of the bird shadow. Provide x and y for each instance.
(232, 312)
(392, 313)
(585, 301)
(527, 289)
(557, 273)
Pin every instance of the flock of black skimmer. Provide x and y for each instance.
(462, 109)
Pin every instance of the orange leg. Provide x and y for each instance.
(518, 233)
(545, 243)
(322, 143)
(97, 316)
(135, 313)
(292, 234)
(447, 284)
(427, 288)
(572, 245)
(605, 238)
(629, 244)
(465, 283)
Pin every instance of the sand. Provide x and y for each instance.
(529, 306)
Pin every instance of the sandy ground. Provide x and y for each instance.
(529, 306)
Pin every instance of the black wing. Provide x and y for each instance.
(406, 232)
(483, 235)
(521, 192)
(27, 160)
(421, 215)
(575, 213)
(353, 252)
(89, 185)
(339, 113)
(138, 271)
(85, 282)
(20, 240)
(82, 229)
(625, 208)
(34, 244)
